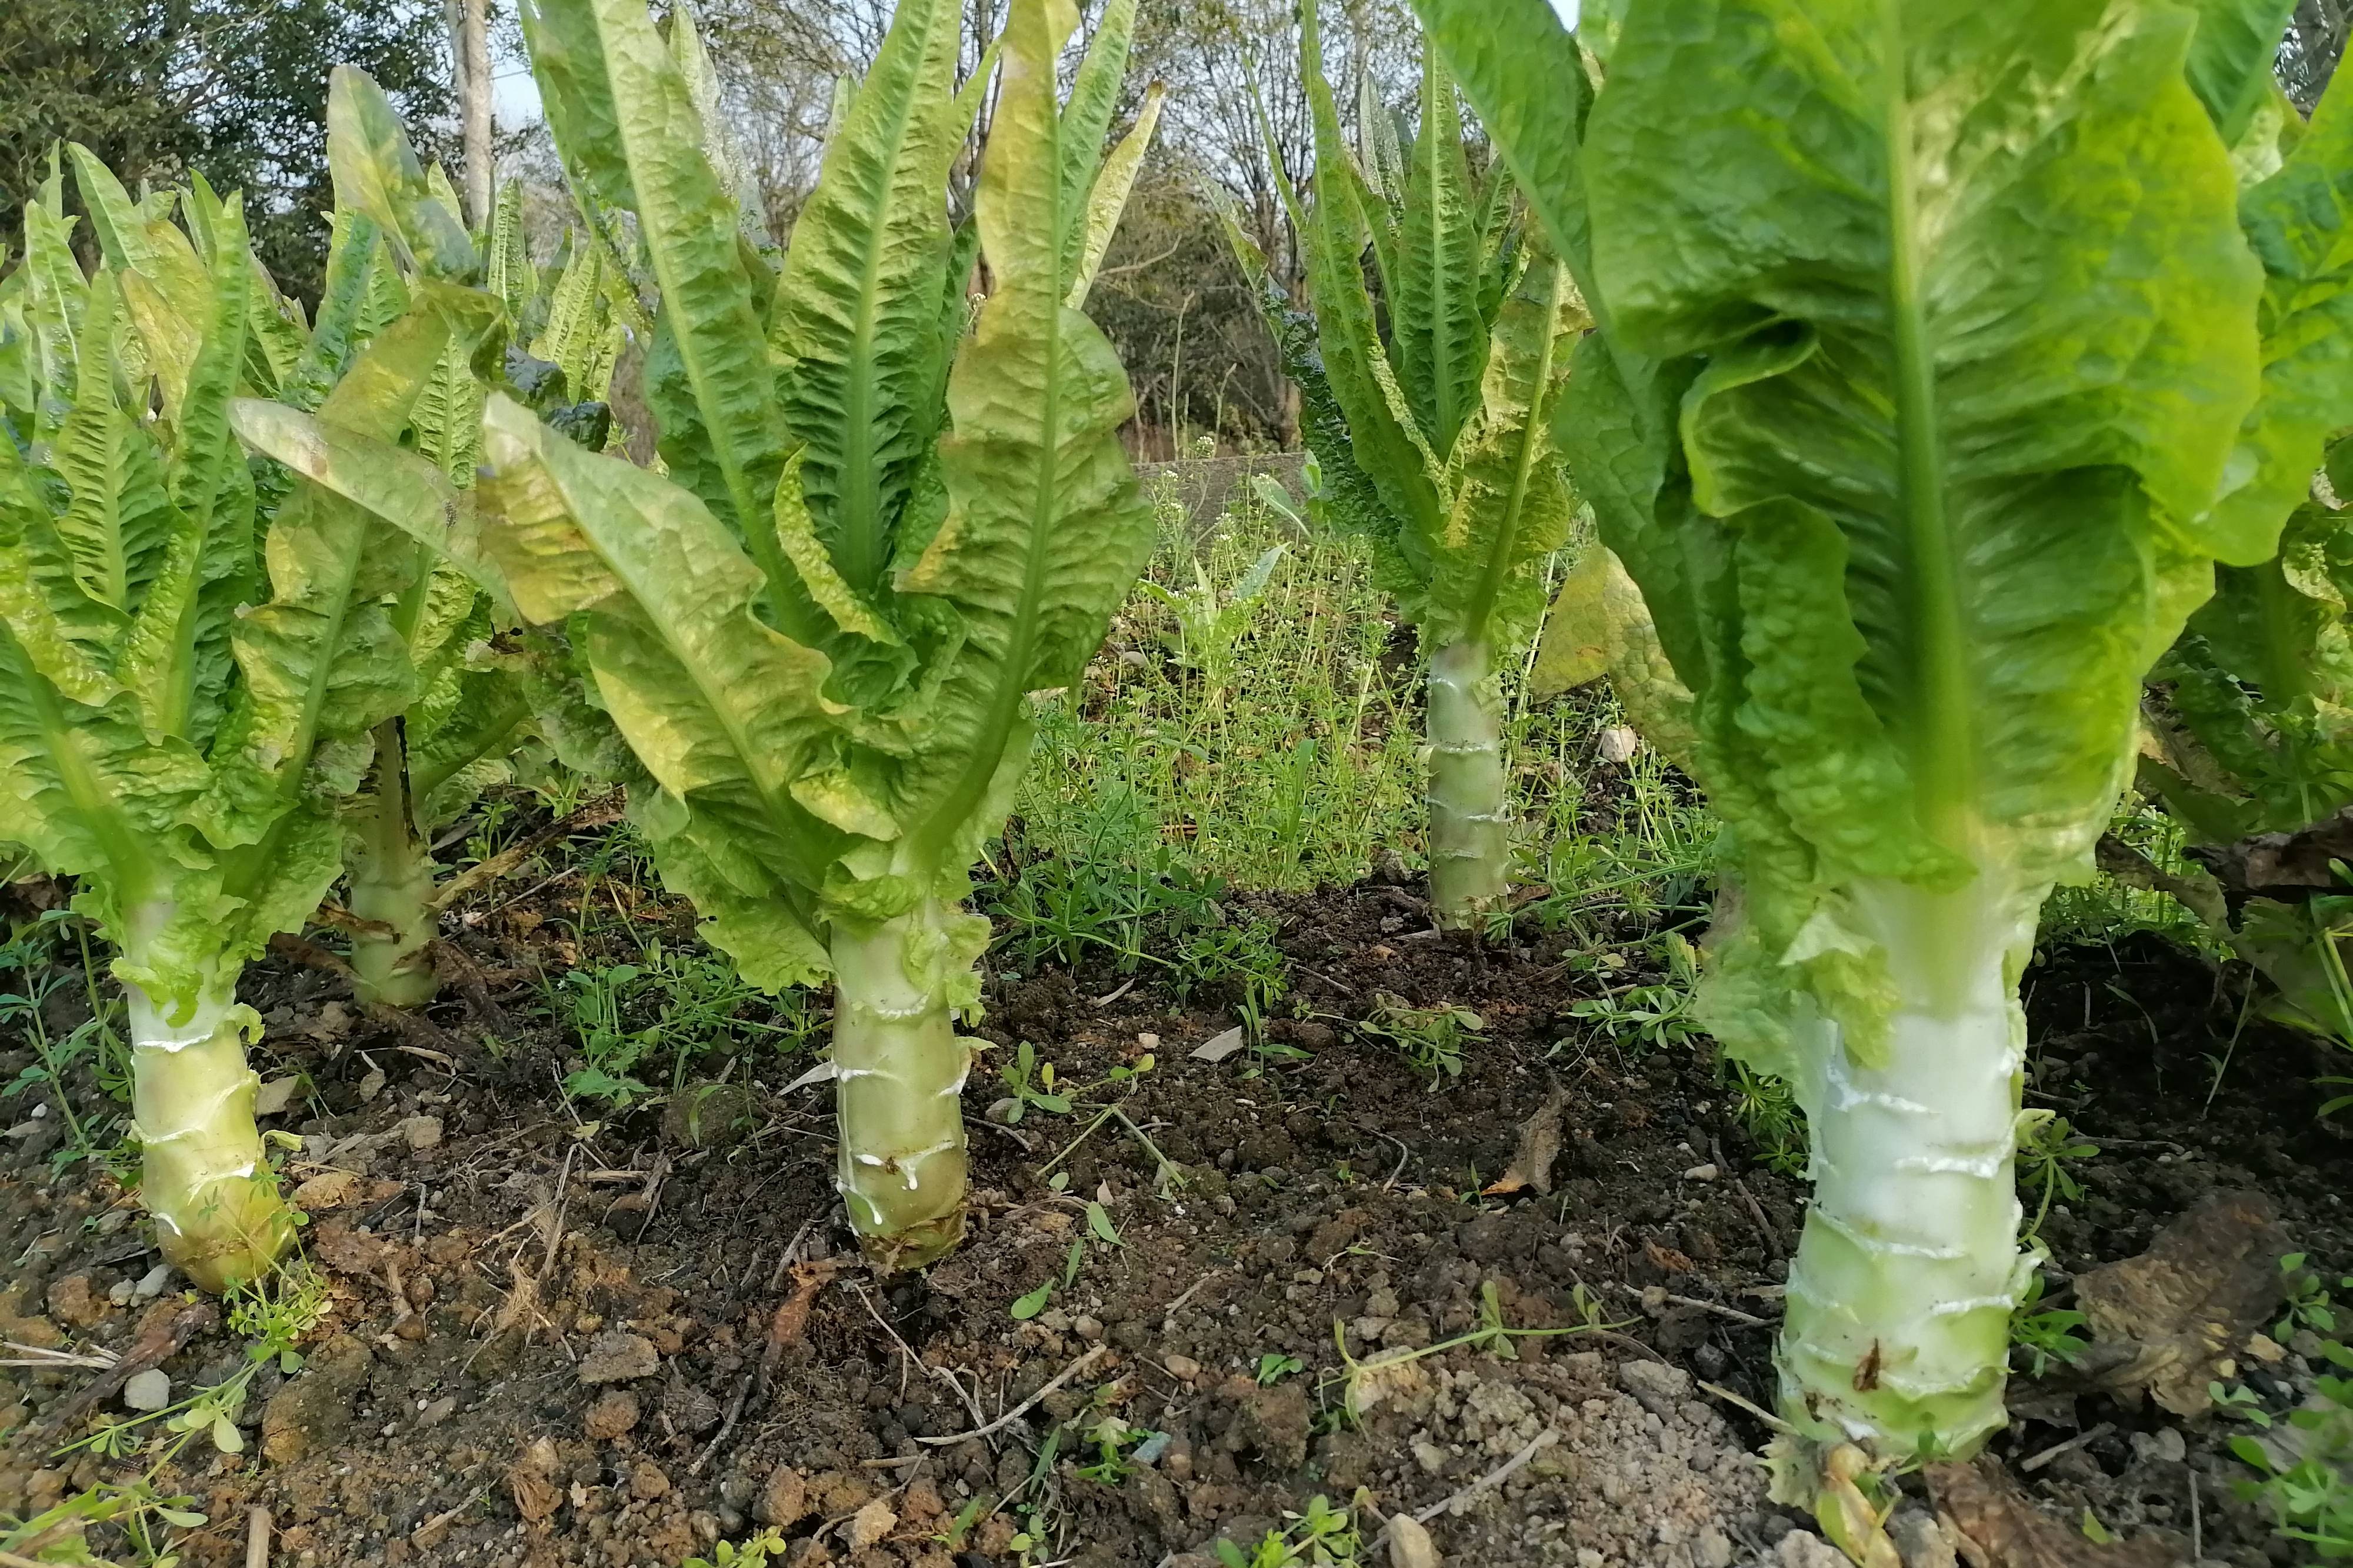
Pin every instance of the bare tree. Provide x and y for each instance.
(2315, 43)
(470, 57)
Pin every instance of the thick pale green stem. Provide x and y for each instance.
(1469, 815)
(205, 1180)
(392, 885)
(1897, 1331)
(899, 1070)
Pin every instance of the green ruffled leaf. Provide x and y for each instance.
(1047, 526)
(856, 324)
(377, 173)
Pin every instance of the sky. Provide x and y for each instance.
(516, 94)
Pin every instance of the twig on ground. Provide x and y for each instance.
(160, 1341)
(1191, 1290)
(257, 1537)
(2092, 1435)
(310, 955)
(1733, 1315)
(1018, 1411)
(556, 1230)
(1107, 1001)
(602, 811)
(1479, 1488)
(938, 1374)
(35, 1355)
(1764, 1226)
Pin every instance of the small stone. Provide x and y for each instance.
(120, 1293)
(1149, 1042)
(438, 1412)
(327, 1190)
(1656, 1389)
(1803, 1549)
(647, 1481)
(313, 1411)
(1430, 1457)
(614, 1415)
(1713, 1549)
(1409, 1543)
(150, 1391)
(1382, 1303)
(1620, 745)
(419, 1132)
(784, 1500)
(1090, 1329)
(1920, 1540)
(1183, 1368)
(272, 1098)
(1702, 1173)
(2163, 1447)
(618, 1357)
(372, 1086)
(75, 1303)
(1370, 1331)
(150, 1284)
(871, 1524)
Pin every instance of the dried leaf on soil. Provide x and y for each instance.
(1540, 1138)
(1218, 1046)
(2168, 1321)
(1995, 1525)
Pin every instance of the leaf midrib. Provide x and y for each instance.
(1532, 441)
(1012, 681)
(1944, 761)
(861, 486)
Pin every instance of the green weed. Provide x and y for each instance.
(1431, 1038)
(1767, 1110)
(2304, 1474)
(2047, 1148)
(1319, 1536)
(675, 1006)
(2040, 1335)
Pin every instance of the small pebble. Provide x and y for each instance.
(149, 1391)
(1702, 1173)
(150, 1284)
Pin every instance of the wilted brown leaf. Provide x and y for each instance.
(1539, 1146)
(2168, 1322)
(1995, 1525)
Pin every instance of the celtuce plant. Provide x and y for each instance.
(2250, 720)
(186, 696)
(884, 525)
(1933, 373)
(1432, 418)
(485, 698)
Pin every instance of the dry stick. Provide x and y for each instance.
(35, 1355)
(1479, 1488)
(1756, 1210)
(600, 812)
(2031, 1465)
(257, 1537)
(448, 1516)
(1018, 1411)
(1745, 1319)
(937, 1374)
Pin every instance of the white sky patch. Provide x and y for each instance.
(1567, 11)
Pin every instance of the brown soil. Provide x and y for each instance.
(482, 1280)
